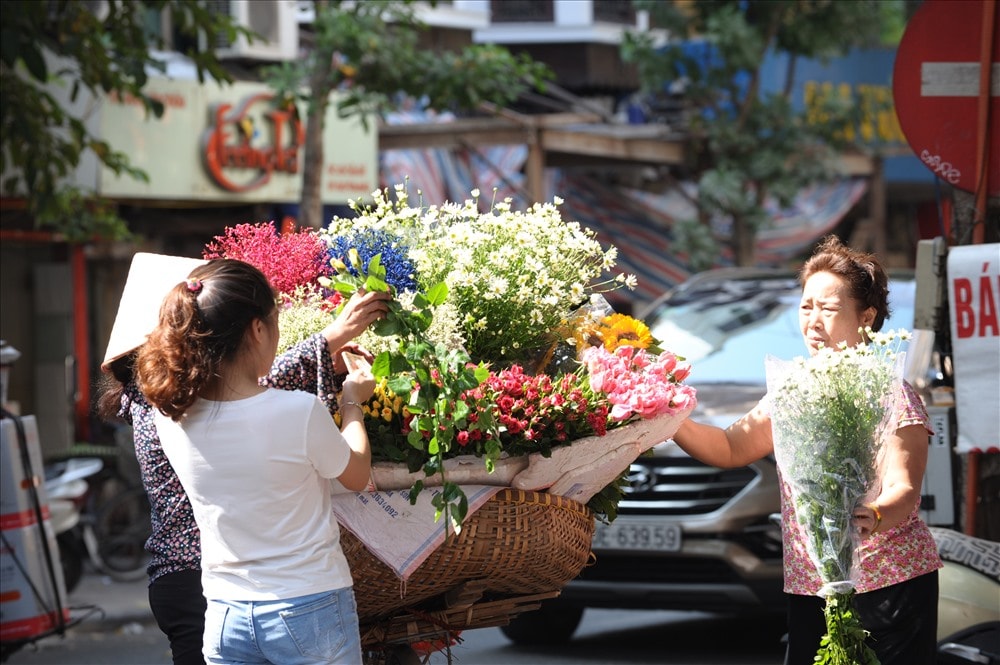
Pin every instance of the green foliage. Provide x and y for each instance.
(830, 414)
(605, 503)
(745, 145)
(432, 378)
(844, 642)
(64, 43)
(375, 54)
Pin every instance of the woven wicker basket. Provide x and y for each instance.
(517, 544)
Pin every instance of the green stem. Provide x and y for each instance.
(844, 641)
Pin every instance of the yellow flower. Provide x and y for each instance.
(620, 330)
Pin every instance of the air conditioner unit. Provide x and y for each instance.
(274, 20)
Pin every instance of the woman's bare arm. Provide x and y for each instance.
(745, 441)
(905, 461)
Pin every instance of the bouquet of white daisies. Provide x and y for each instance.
(830, 414)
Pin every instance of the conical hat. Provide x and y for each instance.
(150, 278)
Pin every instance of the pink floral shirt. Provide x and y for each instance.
(888, 557)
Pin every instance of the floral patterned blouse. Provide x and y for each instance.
(175, 543)
(888, 557)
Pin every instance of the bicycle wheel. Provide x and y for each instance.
(121, 529)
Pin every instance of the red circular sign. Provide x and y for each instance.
(936, 90)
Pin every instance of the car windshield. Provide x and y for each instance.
(726, 328)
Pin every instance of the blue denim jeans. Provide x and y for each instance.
(317, 629)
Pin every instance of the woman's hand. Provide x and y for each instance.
(867, 519)
(360, 311)
(340, 364)
(359, 386)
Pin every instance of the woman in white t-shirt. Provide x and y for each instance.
(255, 463)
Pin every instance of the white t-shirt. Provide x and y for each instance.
(256, 471)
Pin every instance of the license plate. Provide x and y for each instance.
(637, 536)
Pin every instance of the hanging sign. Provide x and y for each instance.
(974, 304)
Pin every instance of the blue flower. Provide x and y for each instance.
(400, 272)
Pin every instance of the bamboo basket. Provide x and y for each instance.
(519, 548)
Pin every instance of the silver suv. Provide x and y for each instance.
(691, 536)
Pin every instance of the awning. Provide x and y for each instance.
(637, 222)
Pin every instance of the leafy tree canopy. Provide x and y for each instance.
(746, 145)
(370, 52)
(101, 48)
(374, 51)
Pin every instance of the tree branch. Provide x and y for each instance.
(752, 91)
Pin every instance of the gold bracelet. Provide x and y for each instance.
(357, 404)
(878, 515)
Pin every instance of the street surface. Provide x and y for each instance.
(625, 637)
(127, 635)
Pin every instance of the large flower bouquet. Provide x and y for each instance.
(830, 414)
(498, 342)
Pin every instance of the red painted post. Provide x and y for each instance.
(81, 343)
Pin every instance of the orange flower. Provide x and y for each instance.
(620, 330)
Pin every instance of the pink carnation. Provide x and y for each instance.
(638, 384)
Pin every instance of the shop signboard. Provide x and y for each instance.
(231, 143)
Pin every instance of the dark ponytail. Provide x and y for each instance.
(202, 324)
(112, 385)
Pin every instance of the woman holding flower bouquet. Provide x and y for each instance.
(315, 365)
(891, 555)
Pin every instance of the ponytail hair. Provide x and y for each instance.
(203, 321)
(112, 384)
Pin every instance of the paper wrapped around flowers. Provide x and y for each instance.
(463, 470)
(581, 470)
(830, 414)
(400, 534)
(577, 471)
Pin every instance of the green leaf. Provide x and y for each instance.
(374, 283)
(437, 294)
(34, 61)
(401, 385)
(381, 367)
(375, 267)
(387, 327)
(346, 288)
(415, 439)
(9, 42)
(398, 365)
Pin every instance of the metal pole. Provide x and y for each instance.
(983, 156)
